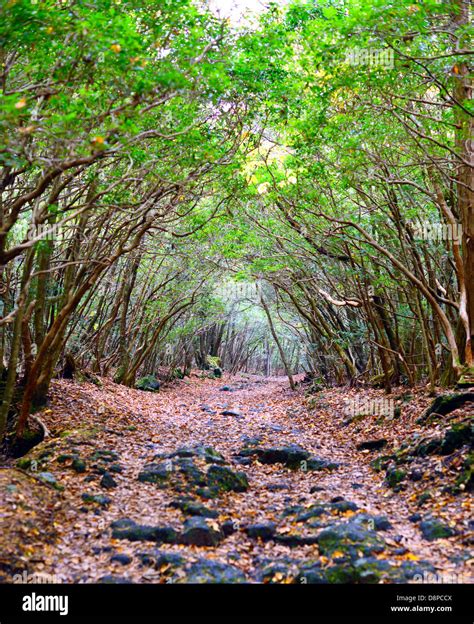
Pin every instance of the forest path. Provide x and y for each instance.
(189, 517)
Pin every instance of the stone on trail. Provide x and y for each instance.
(350, 538)
(372, 445)
(200, 532)
(204, 571)
(191, 507)
(221, 478)
(263, 531)
(108, 482)
(292, 456)
(121, 558)
(433, 529)
(99, 499)
(155, 473)
(130, 530)
(230, 412)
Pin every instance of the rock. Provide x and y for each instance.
(50, 479)
(372, 445)
(319, 509)
(394, 477)
(291, 455)
(311, 574)
(221, 478)
(78, 464)
(104, 455)
(295, 539)
(217, 372)
(200, 532)
(433, 529)
(116, 468)
(275, 487)
(350, 538)
(229, 412)
(226, 389)
(121, 558)
(158, 559)
(416, 517)
(423, 498)
(447, 403)
(315, 463)
(280, 571)
(458, 435)
(209, 454)
(130, 530)
(243, 461)
(205, 571)
(148, 383)
(108, 482)
(229, 526)
(264, 532)
(155, 473)
(377, 523)
(465, 481)
(99, 499)
(192, 508)
(415, 475)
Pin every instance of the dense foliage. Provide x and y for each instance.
(295, 194)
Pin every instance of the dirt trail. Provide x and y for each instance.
(118, 431)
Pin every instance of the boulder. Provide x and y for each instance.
(200, 532)
(158, 473)
(223, 479)
(130, 530)
(192, 508)
(350, 538)
(372, 445)
(263, 531)
(433, 529)
(149, 383)
(206, 572)
(108, 482)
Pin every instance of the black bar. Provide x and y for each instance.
(140, 603)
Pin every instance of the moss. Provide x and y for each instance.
(395, 476)
(465, 481)
(381, 462)
(423, 497)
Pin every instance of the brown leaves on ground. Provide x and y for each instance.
(88, 422)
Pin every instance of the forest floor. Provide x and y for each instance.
(209, 481)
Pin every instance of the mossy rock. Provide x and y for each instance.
(349, 538)
(224, 479)
(465, 481)
(208, 572)
(381, 462)
(149, 383)
(157, 473)
(433, 529)
(394, 477)
(458, 435)
(447, 403)
(423, 498)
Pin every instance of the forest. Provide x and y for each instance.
(236, 292)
